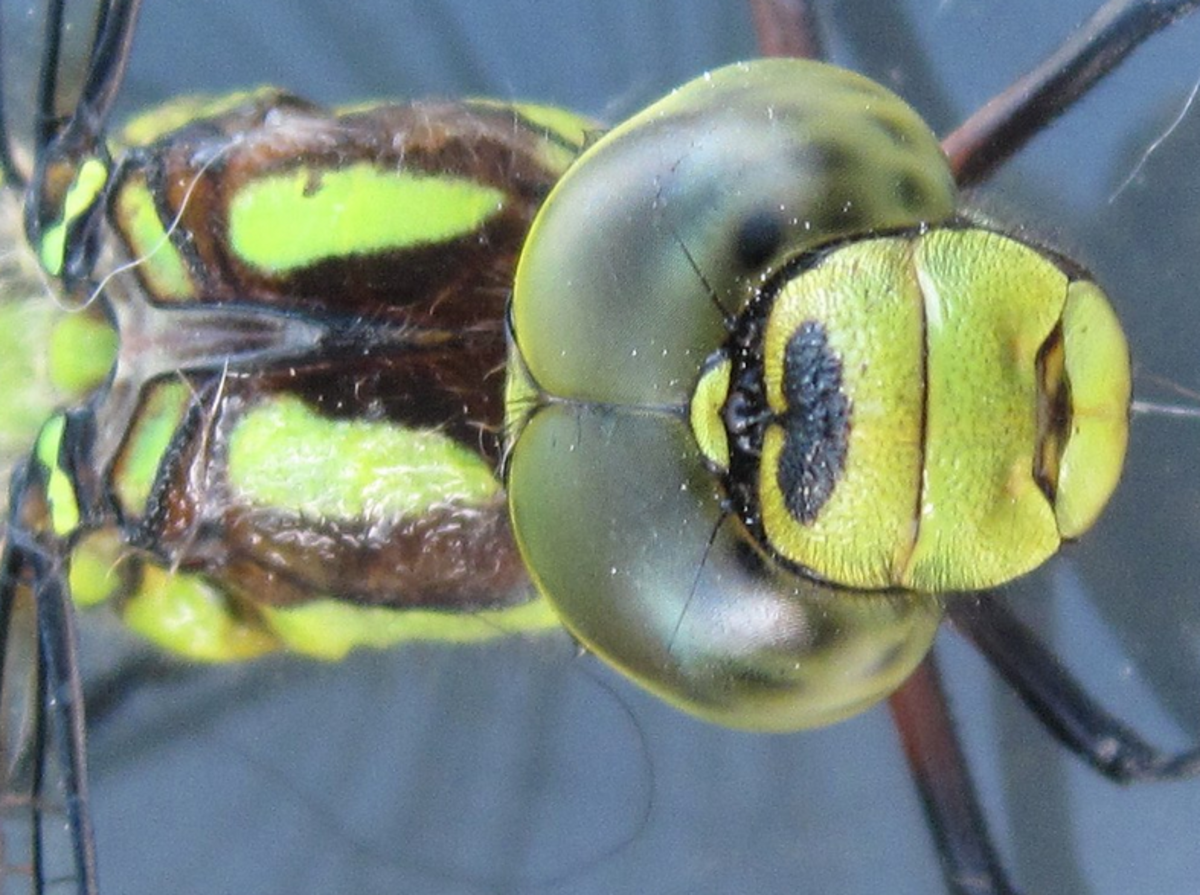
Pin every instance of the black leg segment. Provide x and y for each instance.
(1059, 702)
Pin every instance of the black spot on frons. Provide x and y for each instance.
(816, 423)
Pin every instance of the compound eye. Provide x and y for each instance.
(669, 225)
(758, 240)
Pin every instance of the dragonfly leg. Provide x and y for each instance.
(939, 768)
(29, 564)
(1077, 720)
(787, 28)
(1009, 120)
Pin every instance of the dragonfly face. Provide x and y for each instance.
(636, 702)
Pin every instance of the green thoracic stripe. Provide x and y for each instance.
(295, 219)
(150, 436)
(159, 262)
(565, 134)
(89, 183)
(567, 128)
(60, 491)
(328, 629)
(177, 113)
(284, 455)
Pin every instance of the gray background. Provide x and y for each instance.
(521, 767)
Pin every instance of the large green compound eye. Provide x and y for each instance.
(623, 530)
(649, 246)
(671, 222)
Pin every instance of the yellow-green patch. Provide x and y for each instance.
(94, 574)
(705, 413)
(159, 263)
(83, 349)
(284, 455)
(1097, 359)
(25, 327)
(328, 629)
(86, 188)
(186, 615)
(60, 491)
(158, 419)
(300, 218)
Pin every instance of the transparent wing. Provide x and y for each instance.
(45, 843)
(44, 51)
(19, 710)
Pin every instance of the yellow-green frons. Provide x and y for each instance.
(866, 299)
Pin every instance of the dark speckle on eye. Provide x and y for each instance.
(911, 191)
(758, 239)
(825, 157)
(848, 217)
(749, 558)
(894, 130)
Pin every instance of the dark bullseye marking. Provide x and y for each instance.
(758, 239)
(816, 423)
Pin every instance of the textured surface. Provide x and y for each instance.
(510, 769)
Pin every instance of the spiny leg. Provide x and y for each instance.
(59, 655)
(939, 769)
(34, 558)
(1059, 702)
(10, 174)
(787, 28)
(1007, 122)
(112, 38)
(29, 564)
(21, 735)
